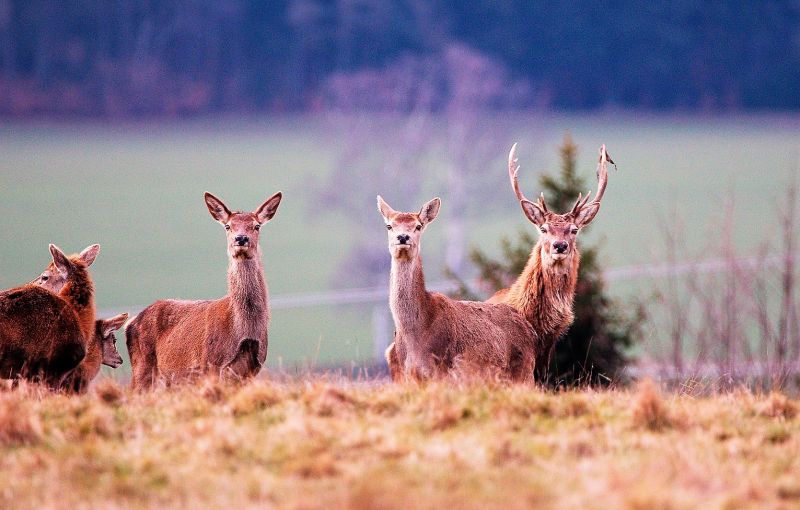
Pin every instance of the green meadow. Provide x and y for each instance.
(137, 190)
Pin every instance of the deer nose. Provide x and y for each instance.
(403, 238)
(241, 240)
(560, 246)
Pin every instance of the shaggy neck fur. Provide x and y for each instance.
(79, 293)
(544, 293)
(247, 290)
(408, 298)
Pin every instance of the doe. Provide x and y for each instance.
(437, 336)
(175, 339)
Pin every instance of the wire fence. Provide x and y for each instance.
(382, 327)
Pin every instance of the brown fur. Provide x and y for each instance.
(437, 336)
(545, 291)
(43, 335)
(176, 340)
(544, 294)
(101, 350)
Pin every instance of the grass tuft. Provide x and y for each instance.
(778, 405)
(253, 397)
(649, 409)
(19, 422)
(109, 391)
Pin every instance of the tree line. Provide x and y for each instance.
(176, 57)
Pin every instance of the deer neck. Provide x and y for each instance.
(545, 290)
(79, 293)
(248, 295)
(408, 298)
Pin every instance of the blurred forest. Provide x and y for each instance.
(129, 58)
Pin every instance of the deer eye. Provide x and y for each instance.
(543, 229)
(388, 227)
(44, 277)
(418, 228)
(227, 227)
(257, 228)
(574, 231)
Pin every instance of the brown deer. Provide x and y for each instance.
(43, 334)
(178, 339)
(101, 345)
(545, 290)
(102, 350)
(437, 336)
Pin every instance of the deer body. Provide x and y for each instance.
(175, 339)
(545, 290)
(437, 336)
(43, 334)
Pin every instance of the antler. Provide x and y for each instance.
(602, 180)
(513, 175)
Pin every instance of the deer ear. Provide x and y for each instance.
(269, 208)
(114, 323)
(429, 211)
(587, 214)
(385, 209)
(533, 212)
(217, 209)
(62, 263)
(89, 254)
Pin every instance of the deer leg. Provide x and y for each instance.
(394, 364)
(143, 357)
(245, 362)
(65, 360)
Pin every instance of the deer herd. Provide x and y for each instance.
(49, 332)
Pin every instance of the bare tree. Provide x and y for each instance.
(425, 104)
(736, 313)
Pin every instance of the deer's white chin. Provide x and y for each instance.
(558, 256)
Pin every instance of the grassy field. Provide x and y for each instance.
(326, 443)
(137, 190)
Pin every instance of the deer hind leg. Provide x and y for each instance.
(64, 361)
(245, 362)
(143, 357)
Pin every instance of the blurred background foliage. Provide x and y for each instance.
(170, 57)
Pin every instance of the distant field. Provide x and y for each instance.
(337, 444)
(137, 190)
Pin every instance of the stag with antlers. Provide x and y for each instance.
(545, 290)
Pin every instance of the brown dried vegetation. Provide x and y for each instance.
(326, 443)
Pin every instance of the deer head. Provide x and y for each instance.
(405, 229)
(559, 231)
(105, 330)
(54, 277)
(242, 228)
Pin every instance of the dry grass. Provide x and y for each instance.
(335, 444)
(649, 408)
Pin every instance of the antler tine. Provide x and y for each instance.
(602, 173)
(582, 201)
(513, 171)
(602, 180)
(542, 203)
